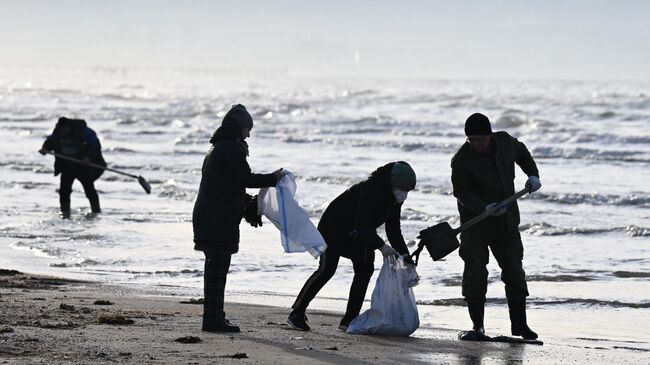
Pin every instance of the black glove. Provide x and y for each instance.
(408, 260)
(250, 213)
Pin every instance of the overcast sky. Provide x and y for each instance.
(585, 39)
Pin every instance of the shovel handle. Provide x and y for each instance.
(488, 212)
(90, 164)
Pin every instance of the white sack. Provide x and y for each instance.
(393, 311)
(298, 233)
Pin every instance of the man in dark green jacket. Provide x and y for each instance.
(349, 227)
(483, 172)
(220, 206)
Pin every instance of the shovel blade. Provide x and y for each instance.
(145, 184)
(440, 240)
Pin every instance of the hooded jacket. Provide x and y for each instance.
(349, 224)
(87, 143)
(480, 179)
(219, 206)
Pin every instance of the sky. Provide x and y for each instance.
(553, 39)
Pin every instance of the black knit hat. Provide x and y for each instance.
(239, 114)
(477, 125)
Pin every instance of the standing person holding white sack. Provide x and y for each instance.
(349, 226)
(220, 206)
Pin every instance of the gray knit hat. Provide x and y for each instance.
(402, 176)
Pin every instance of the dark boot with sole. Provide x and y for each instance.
(94, 206)
(519, 327)
(221, 326)
(476, 313)
(298, 321)
(65, 208)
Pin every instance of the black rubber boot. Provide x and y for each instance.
(65, 208)
(476, 313)
(94, 205)
(518, 325)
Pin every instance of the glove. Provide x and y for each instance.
(408, 260)
(250, 213)
(387, 250)
(496, 212)
(42, 151)
(533, 184)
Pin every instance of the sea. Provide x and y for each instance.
(586, 232)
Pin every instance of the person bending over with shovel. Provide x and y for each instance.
(349, 227)
(483, 173)
(73, 139)
(220, 205)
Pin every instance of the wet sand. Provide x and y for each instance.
(54, 320)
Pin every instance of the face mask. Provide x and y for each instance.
(400, 195)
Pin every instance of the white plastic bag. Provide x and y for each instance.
(393, 310)
(298, 233)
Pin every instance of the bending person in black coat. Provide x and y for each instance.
(73, 138)
(220, 206)
(349, 227)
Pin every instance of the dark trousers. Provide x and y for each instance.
(507, 249)
(214, 286)
(65, 189)
(363, 270)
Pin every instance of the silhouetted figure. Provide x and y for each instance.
(483, 172)
(349, 227)
(220, 206)
(73, 138)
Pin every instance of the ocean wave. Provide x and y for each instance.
(559, 278)
(508, 121)
(414, 215)
(631, 274)
(42, 249)
(545, 229)
(588, 154)
(171, 190)
(541, 302)
(119, 150)
(637, 199)
(636, 231)
(589, 302)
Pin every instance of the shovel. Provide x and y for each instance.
(145, 185)
(440, 239)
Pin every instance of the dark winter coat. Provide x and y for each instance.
(349, 224)
(483, 178)
(219, 206)
(88, 146)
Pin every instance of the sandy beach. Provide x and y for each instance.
(54, 320)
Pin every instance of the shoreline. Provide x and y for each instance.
(55, 320)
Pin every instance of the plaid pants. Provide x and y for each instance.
(214, 286)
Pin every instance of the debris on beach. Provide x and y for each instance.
(238, 355)
(6, 330)
(113, 319)
(103, 302)
(192, 301)
(66, 307)
(307, 348)
(333, 348)
(4, 272)
(56, 325)
(188, 339)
